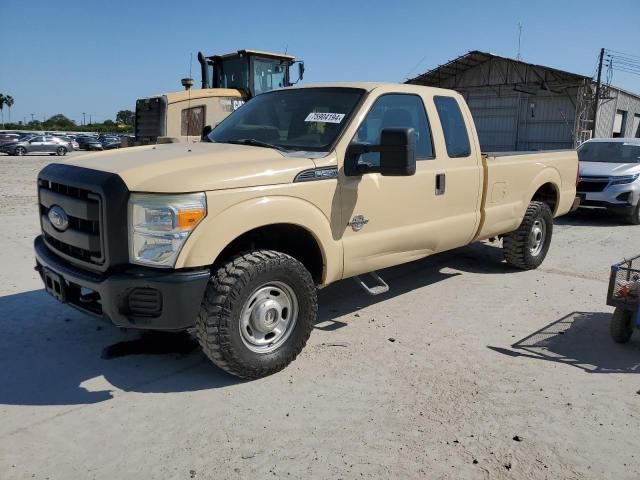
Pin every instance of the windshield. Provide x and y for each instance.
(234, 73)
(309, 119)
(268, 75)
(609, 152)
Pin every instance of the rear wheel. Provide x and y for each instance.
(20, 151)
(257, 313)
(621, 326)
(61, 151)
(527, 247)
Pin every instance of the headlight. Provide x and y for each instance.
(160, 224)
(624, 179)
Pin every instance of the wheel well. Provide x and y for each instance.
(547, 193)
(286, 238)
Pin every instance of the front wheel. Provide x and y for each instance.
(621, 326)
(527, 247)
(20, 151)
(61, 151)
(257, 313)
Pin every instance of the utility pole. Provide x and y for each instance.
(595, 109)
(83, 118)
(32, 117)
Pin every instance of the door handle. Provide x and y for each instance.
(440, 184)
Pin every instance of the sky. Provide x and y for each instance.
(95, 57)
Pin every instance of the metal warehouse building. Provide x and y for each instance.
(522, 106)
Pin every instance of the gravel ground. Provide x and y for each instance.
(466, 369)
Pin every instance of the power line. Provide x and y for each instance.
(622, 53)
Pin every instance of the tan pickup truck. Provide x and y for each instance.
(298, 188)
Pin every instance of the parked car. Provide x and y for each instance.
(71, 140)
(8, 137)
(37, 144)
(610, 175)
(88, 143)
(61, 139)
(110, 143)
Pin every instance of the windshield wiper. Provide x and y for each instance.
(255, 143)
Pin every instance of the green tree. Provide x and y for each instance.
(8, 101)
(59, 122)
(125, 116)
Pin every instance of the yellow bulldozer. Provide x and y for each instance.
(227, 82)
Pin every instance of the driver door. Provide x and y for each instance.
(388, 218)
(36, 144)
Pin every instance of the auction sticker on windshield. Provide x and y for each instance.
(324, 117)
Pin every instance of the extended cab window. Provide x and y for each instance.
(395, 110)
(455, 130)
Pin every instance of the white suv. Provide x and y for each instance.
(610, 175)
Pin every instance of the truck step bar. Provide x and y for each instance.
(378, 289)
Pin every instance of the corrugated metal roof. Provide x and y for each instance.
(474, 58)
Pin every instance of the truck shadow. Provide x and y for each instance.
(579, 339)
(592, 217)
(53, 355)
(346, 296)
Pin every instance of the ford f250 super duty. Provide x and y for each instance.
(297, 189)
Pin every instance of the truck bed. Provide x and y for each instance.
(512, 179)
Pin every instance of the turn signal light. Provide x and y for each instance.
(187, 219)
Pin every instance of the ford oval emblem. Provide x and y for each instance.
(58, 218)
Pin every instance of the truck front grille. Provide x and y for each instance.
(592, 184)
(82, 238)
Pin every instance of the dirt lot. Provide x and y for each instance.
(467, 369)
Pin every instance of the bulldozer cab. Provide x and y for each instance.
(227, 81)
(251, 71)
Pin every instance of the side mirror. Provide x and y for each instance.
(398, 157)
(397, 154)
(300, 71)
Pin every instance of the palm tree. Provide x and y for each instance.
(3, 100)
(8, 101)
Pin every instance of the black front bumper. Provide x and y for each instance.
(131, 298)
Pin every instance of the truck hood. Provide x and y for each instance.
(196, 167)
(604, 169)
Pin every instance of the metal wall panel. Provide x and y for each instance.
(507, 122)
(546, 122)
(496, 119)
(607, 112)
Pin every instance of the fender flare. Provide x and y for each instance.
(215, 233)
(548, 175)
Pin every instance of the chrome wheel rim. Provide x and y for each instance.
(20, 151)
(537, 237)
(268, 317)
